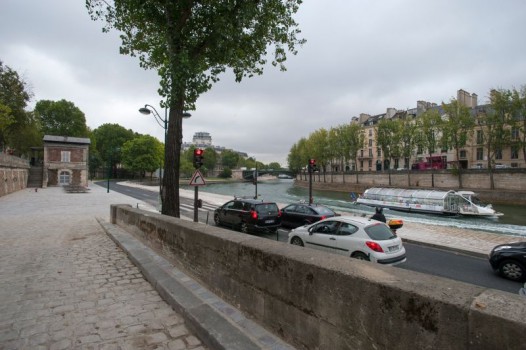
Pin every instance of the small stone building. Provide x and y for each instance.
(65, 161)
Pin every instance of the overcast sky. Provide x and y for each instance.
(360, 57)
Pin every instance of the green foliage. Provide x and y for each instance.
(274, 166)
(61, 118)
(210, 158)
(229, 159)
(143, 154)
(15, 122)
(226, 173)
(109, 139)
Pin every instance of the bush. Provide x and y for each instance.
(226, 173)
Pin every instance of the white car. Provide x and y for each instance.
(356, 237)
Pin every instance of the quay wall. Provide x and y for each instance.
(315, 300)
(509, 184)
(14, 173)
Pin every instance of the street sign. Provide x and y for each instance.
(197, 179)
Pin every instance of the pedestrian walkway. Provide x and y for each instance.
(66, 285)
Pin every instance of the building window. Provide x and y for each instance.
(514, 152)
(480, 153)
(361, 154)
(498, 154)
(65, 156)
(379, 153)
(370, 164)
(462, 154)
(370, 132)
(64, 178)
(480, 137)
(370, 152)
(370, 142)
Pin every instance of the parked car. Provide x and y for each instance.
(356, 237)
(509, 260)
(294, 215)
(249, 215)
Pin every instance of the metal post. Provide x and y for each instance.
(310, 186)
(196, 198)
(109, 175)
(255, 178)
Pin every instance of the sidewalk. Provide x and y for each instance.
(66, 285)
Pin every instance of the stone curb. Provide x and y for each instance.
(447, 248)
(217, 324)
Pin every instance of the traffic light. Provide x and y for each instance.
(312, 165)
(198, 157)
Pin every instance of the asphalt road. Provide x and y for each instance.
(421, 258)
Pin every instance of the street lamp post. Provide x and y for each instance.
(163, 123)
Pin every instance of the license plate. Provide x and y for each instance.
(269, 221)
(393, 248)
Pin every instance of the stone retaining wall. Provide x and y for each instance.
(14, 173)
(316, 300)
(510, 184)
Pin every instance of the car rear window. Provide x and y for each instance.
(267, 208)
(379, 232)
(324, 211)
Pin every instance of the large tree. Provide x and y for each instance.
(15, 122)
(61, 118)
(457, 130)
(109, 141)
(143, 154)
(190, 43)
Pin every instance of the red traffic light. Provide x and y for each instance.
(198, 152)
(312, 161)
(198, 157)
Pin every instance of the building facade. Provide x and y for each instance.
(65, 161)
(475, 155)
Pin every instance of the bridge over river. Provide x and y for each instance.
(249, 174)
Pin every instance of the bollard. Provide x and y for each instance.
(36, 189)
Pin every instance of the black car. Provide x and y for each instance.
(295, 215)
(509, 260)
(249, 215)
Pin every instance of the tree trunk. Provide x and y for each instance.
(172, 159)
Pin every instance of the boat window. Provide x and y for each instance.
(379, 232)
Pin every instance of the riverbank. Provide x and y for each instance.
(497, 196)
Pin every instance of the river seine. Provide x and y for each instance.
(513, 222)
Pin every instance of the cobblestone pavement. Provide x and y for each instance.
(73, 288)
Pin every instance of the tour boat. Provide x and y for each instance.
(427, 201)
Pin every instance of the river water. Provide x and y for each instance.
(513, 222)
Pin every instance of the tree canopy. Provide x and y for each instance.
(15, 122)
(61, 118)
(190, 43)
(143, 154)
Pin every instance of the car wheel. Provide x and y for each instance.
(296, 241)
(244, 227)
(360, 256)
(217, 220)
(512, 270)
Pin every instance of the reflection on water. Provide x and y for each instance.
(283, 191)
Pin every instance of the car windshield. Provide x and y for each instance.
(379, 232)
(267, 208)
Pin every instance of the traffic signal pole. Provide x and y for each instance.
(198, 162)
(310, 185)
(196, 201)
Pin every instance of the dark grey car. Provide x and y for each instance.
(249, 215)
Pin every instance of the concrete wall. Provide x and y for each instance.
(316, 300)
(510, 184)
(14, 173)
